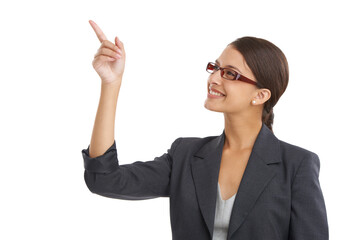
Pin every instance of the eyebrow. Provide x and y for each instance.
(216, 61)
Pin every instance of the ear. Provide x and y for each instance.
(262, 95)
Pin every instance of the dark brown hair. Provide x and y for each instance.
(270, 68)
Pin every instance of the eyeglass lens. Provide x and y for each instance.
(226, 73)
(210, 68)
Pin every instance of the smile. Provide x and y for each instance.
(216, 93)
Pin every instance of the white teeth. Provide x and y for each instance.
(215, 93)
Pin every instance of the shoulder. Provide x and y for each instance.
(185, 145)
(294, 156)
(191, 143)
(292, 150)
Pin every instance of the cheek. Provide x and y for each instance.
(238, 96)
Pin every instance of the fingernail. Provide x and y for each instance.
(118, 55)
(119, 51)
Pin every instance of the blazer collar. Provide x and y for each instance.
(205, 167)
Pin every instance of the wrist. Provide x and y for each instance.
(113, 84)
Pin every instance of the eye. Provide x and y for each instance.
(230, 73)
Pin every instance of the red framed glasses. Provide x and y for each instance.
(228, 73)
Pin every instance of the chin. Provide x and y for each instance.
(206, 105)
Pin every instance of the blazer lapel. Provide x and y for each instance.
(205, 167)
(257, 175)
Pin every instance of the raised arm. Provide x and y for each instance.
(103, 174)
(136, 181)
(109, 63)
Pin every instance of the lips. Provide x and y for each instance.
(214, 90)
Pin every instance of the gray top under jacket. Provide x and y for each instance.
(222, 216)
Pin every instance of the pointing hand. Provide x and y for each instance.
(109, 61)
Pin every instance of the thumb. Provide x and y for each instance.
(120, 45)
(117, 42)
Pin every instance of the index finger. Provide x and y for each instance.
(101, 36)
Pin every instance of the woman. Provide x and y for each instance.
(242, 184)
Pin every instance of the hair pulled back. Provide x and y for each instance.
(270, 68)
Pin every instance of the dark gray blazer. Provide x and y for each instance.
(279, 196)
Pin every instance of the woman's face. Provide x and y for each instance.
(238, 94)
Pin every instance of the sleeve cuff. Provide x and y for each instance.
(105, 163)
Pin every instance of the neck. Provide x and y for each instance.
(241, 132)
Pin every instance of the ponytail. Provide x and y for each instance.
(268, 117)
(269, 67)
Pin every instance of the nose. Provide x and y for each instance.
(215, 78)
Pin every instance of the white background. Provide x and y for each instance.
(50, 92)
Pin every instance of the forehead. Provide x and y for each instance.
(232, 57)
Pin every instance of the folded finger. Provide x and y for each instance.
(110, 45)
(107, 52)
(105, 58)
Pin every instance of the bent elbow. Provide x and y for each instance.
(90, 180)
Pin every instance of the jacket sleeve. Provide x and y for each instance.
(308, 213)
(136, 181)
